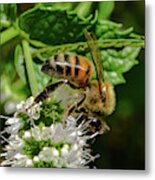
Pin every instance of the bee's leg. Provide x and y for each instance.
(52, 87)
(75, 105)
(45, 93)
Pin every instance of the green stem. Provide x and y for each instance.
(105, 9)
(29, 68)
(107, 43)
(8, 34)
(4, 24)
(83, 8)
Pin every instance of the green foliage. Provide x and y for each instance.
(112, 30)
(24, 118)
(116, 63)
(105, 9)
(19, 63)
(7, 14)
(33, 147)
(51, 112)
(60, 26)
(51, 28)
(42, 164)
(120, 48)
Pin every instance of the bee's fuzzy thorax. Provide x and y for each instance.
(96, 107)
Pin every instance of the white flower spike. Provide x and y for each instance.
(39, 145)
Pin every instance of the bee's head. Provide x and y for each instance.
(47, 68)
(100, 126)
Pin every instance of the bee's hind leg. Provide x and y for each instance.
(48, 89)
(52, 87)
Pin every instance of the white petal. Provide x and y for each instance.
(12, 121)
(27, 135)
(36, 159)
(29, 163)
(64, 152)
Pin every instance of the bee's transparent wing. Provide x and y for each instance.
(96, 55)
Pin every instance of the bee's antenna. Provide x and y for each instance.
(96, 56)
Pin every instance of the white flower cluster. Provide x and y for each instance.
(67, 143)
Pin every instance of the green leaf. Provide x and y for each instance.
(114, 77)
(7, 14)
(115, 63)
(122, 60)
(29, 68)
(110, 30)
(19, 63)
(106, 26)
(83, 8)
(60, 5)
(54, 26)
(42, 79)
(105, 9)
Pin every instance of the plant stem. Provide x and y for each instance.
(83, 8)
(102, 44)
(29, 68)
(105, 9)
(5, 24)
(8, 34)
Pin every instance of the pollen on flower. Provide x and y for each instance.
(38, 139)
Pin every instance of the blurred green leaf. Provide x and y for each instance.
(105, 9)
(106, 29)
(83, 8)
(19, 63)
(42, 79)
(114, 77)
(122, 60)
(54, 26)
(115, 63)
(59, 5)
(7, 14)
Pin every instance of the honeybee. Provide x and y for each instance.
(98, 96)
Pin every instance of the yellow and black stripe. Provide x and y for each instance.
(71, 67)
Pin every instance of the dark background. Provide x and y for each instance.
(124, 146)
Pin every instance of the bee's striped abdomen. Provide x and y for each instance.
(59, 64)
(72, 67)
(67, 67)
